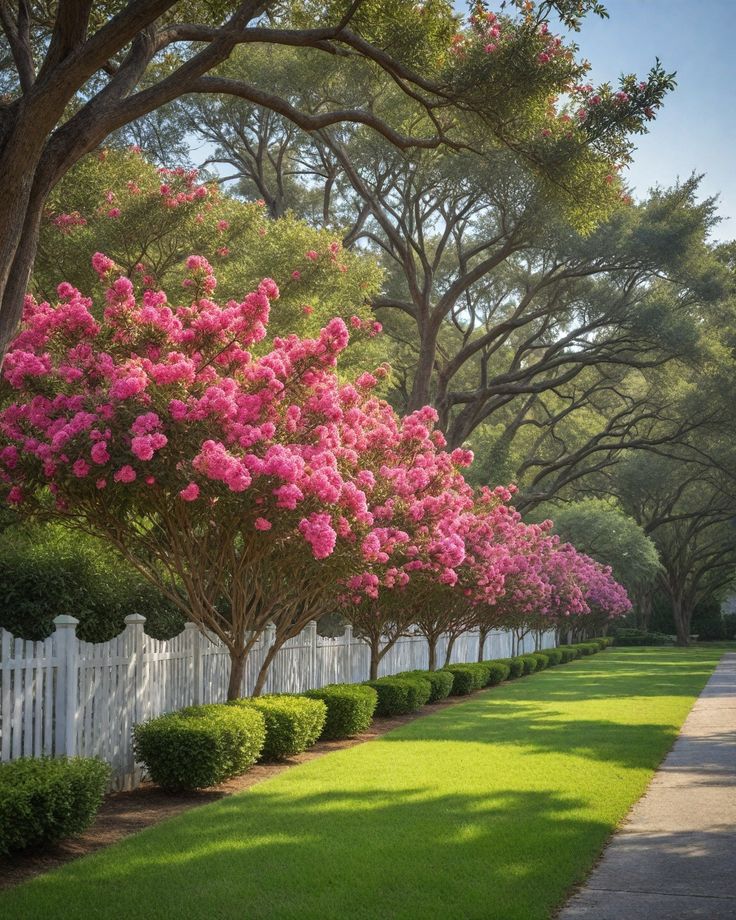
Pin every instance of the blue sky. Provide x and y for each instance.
(695, 131)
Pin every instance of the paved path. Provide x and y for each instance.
(675, 858)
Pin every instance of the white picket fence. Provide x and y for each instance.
(65, 696)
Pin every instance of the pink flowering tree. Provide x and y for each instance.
(412, 550)
(235, 483)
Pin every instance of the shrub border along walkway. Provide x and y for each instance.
(126, 813)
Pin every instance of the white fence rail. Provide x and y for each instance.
(66, 696)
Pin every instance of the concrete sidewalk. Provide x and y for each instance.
(675, 858)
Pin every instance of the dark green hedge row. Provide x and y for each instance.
(46, 799)
(439, 681)
(293, 723)
(200, 746)
(350, 708)
(398, 696)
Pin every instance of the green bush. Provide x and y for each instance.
(569, 653)
(498, 671)
(46, 799)
(554, 656)
(516, 667)
(587, 648)
(398, 696)
(350, 708)
(48, 569)
(468, 677)
(440, 682)
(541, 659)
(200, 746)
(293, 723)
(630, 636)
(529, 662)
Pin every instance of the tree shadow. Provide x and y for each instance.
(368, 855)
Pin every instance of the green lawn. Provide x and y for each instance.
(492, 809)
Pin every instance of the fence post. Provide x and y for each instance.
(195, 649)
(348, 654)
(66, 646)
(312, 640)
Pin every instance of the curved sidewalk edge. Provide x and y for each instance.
(675, 857)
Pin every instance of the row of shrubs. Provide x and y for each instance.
(204, 745)
(44, 800)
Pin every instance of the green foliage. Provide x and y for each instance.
(400, 695)
(553, 655)
(613, 538)
(515, 665)
(200, 746)
(46, 570)
(541, 659)
(148, 239)
(43, 800)
(440, 682)
(350, 709)
(498, 671)
(529, 662)
(633, 637)
(293, 723)
(587, 648)
(468, 677)
(569, 653)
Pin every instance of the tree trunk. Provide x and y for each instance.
(421, 391)
(263, 672)
(482, 636)
(682, 615)
(448, 654)
(237, 668)
(432, 643)
(375, 657)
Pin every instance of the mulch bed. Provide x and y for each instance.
(126, 813)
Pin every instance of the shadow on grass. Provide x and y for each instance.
(334, 855)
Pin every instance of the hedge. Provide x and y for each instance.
(440, 682)
(541, 659)
(46, 569)
(293, 723)
(350, 709)
(400, 695)
(529, 662)
(200, 746)
(498, 671)
(516, 666)
(569, 653)
(45, 799)
(553, 655)
(468, 677)
(587, 648)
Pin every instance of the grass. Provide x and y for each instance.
(492, 809)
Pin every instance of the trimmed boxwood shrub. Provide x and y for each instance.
(569, 653)
(516, 666)
(398, 696)
(43, 800)
(468, 677)
(440, 682)
(350, 708)
(587, 648)
(200, 746)
(541, 659)
(529, 662)
(498, 671)
(293, 723)
(554, 656)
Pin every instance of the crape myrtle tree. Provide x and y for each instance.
(148, 220)
(422, 507)
(236, 483)
(74, 71)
